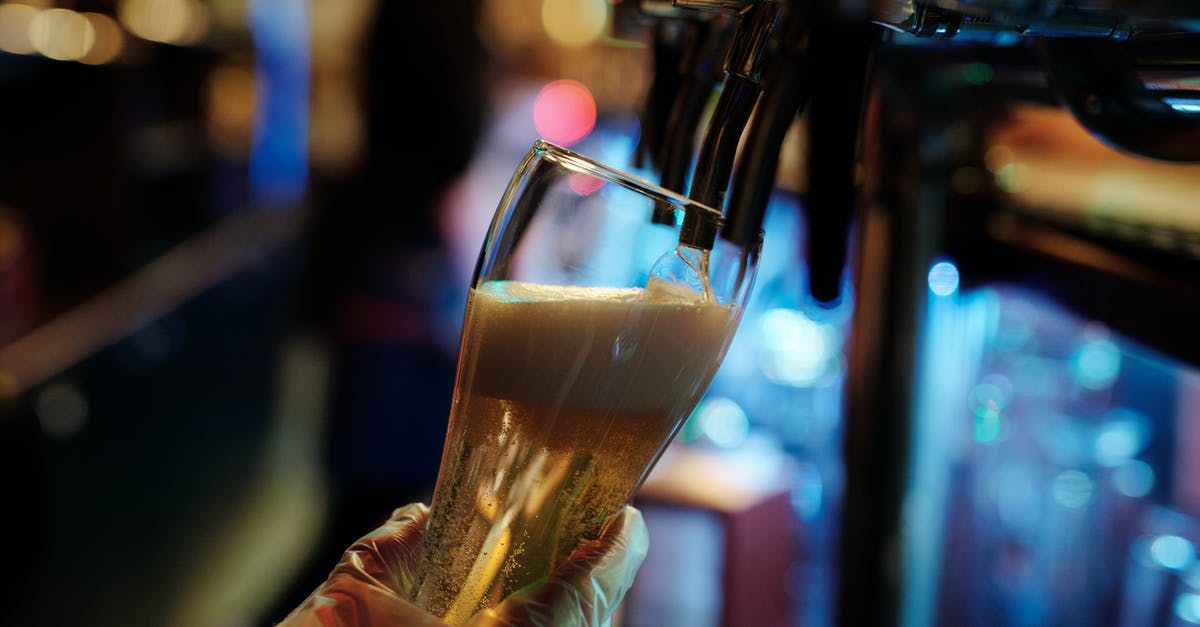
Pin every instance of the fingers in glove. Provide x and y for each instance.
(369, 586)
(388, 556)
(587, 588)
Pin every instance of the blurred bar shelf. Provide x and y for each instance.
(1137, 278)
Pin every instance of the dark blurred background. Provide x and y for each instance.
(235, 241)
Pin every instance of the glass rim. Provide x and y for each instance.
(590, 166)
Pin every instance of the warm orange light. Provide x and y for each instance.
(179, 22)
(575, 23)
(14, 28)
(997, 157)
(1065, 168)
(61, 34)
(1014, 178)
(230, 97)
(109, 40)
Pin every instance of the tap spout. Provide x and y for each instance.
(785, 92)
(739, 96)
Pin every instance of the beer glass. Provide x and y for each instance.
(600, 309)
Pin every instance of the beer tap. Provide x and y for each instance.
(835, 114)
(739, 95)
(1132, 84)
(668, 42)
(783, 98)
(801, 61)
(740, 92)
(683, 55)
(705, 37)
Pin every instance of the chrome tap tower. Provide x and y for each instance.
(890, 110)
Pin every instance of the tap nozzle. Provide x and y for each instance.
(739, 95)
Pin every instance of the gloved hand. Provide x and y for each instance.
(372, 583)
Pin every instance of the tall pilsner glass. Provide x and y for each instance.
(600, 309)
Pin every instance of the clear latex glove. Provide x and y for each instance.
(372, 583)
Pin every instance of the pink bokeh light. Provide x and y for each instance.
(564, 112)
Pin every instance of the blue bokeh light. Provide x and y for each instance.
(723, 422)
(1134, 478)
(796, 351)
(1120, 440)
(1172, 552)
(943, 278)
(1187, 607)
(1096, 364)
(1072, 489)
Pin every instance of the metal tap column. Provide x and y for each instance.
(898, 233)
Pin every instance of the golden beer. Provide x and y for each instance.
(565, 398)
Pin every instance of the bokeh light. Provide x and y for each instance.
(1072, 489)
(1187, 607)
(230, 97)
(1172, 552)
(178, 22)
(1096, 364)
(987, 399)
(14, 28)
(1134, 478)
(723, 422)
(575, 23)
(564, 112)
(109, 40)
(1123, 435)
(997, 157)
(796, 351)
(991, 393)
(943, 278)
(61, 34)
(1014, 178)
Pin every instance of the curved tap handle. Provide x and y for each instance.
(700, 59)
(786, 89)
(835, 116)
(739, 95)
(748, 50)
(671, 40)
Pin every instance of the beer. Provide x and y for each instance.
(565, 398)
